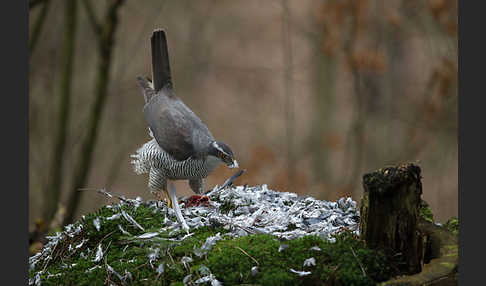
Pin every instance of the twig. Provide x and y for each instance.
(360, 265)
(106, 237)
(108, 194)
(101, 246)
(170, 256)
(140, 266)
(244, 252)
(48, 260)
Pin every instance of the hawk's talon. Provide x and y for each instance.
(160, 197)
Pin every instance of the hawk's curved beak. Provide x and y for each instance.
(233, 165)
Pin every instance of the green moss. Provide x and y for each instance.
(452, 225)
(230, 260)
(287, 203)
(426, 212)
(227, 205)
(336, 262)
(291, 227)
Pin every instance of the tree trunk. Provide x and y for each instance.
(106, 35)
(390, 211)
(323, 122)
(53, 188)
(289, 95)
(37, 28)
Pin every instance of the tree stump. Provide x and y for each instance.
(390, 212)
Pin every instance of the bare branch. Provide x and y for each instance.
(33, 3)
(39, 23)
(53, 188)
(105, 53)
(92, 17)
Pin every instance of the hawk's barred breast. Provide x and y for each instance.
(150, 155)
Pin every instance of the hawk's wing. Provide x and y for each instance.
(147, 90)
(172, 127)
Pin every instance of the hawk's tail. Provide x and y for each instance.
(160, 60)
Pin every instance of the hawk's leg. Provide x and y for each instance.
(197, 186)
(158, 182)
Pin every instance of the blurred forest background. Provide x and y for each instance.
(310, 95)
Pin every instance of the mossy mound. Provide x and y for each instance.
(105, 248)
(339, 262)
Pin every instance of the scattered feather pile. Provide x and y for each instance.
(239, 210)
(286, 215)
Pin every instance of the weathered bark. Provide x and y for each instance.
(105, 35)
(390, 213)
(53, 189)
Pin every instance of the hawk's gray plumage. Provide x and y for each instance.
(182, 147)
(176, 128)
